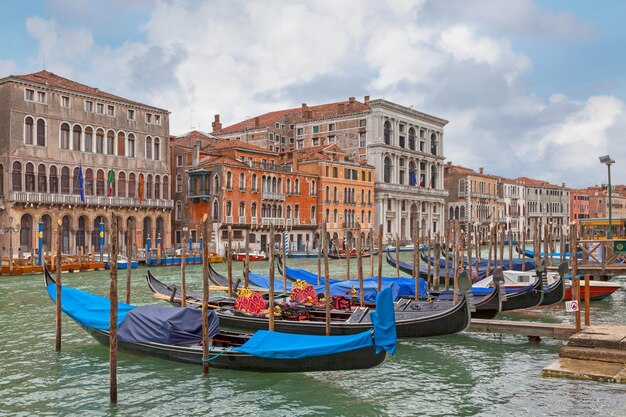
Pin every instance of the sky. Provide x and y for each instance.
(530, 88)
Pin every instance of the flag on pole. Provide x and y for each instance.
(81, 183)
(111, 182)
(141, 188)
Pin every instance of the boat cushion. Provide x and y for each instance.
(165, 324)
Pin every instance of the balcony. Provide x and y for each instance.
(242, 219)
(255, 220)
(71, 199)
(409, 189)
(289, 222)
(266, 221)
(272, 196)
(229, 219)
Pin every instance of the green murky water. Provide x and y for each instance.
(463, 374)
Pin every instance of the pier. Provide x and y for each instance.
(533, 330)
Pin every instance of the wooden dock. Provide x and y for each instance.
(596, 353)
(533, 330)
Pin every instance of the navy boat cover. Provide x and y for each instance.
(276, 345)
(166, 325)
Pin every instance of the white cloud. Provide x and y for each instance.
(451, 59)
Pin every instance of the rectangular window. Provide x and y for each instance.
(41, 97)
(300, 144)
(179, 161)
(300, 131)
(332, 139)
(29, 95)
(328, 171)
(362, 123)
(177, 237)
(111, 111)
(331, 127)
(131, 114)
(157, 119)
(277, 125)
(316, 129)
(291, 127)
(316, 142)
(65, 101)
(362, 141)
(149, 118)
(89, 106)
(100, 108)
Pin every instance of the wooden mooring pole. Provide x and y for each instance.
(113, 308)
(271, 275)
(284, 263)
(246, 267)
(318, 242)
(371, 252)
(416, 274)
(230, 260)
(348, 252)
(380, 257)
(587, 296)
(455, 256)
(397, 256)
(58, 286)
(205, 295)
(359, 264)
(183, 272)
(129, 262)
(326, 244)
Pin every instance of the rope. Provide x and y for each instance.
(216, 356)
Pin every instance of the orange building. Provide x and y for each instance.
(345, 187)
(248, 187)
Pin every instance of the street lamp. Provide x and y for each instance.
(608, 161)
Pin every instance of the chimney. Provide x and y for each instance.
(563, 184)
(304, 109)
(481, 170)
(351, 99)
(217, 125)
(196, 153)
(341, 108)
(366, 99)
(256, 121)
(449, 163)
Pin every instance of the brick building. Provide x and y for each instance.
(404, 146)
(345, 188)
(580, 204)
(51, 128)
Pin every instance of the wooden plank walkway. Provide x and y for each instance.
(523, 328)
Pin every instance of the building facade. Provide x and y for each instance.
(580, 204)
(404, 146)
(546, 204)
(345, 189)
(513, 195)
(52, 130)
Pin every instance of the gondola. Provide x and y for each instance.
(414, 318)
(529, 253)
(353, 254)
(175, 334)
(554, 293)
(407, 268)
(517, 265)
(488, 303)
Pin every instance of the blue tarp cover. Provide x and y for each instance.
(384, 319)
(276, 345)
(263, 281)
(370, 289)
(166, 325)
(88, 309)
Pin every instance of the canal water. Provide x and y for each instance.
(465, 374)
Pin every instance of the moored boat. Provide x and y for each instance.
(175, 334)
(253, 256)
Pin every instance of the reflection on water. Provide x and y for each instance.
(464, 374)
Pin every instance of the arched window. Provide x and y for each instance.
(148, 147)
(149, 187)
(110, 142)
(131, 146)
(54, 180)
(88, 140)
(433, 144)
(16, 176)
(242, 182)
(229, 209)
(433, 176)
(242, 210)
(296, 186)
(288, 183)
(335, 216)
(121, 185)
(157, 187)
(313, 188)
(166, 188)
(88, 181)
(178, 215)
(362, 196)
(335, 195)
(65, 180)
(216, 209)
(30, 178)
(121, 144)
(75, 181)
(42, 181)
(76, 137)
(229, 181)
(131, 185)
(274, 185)
(462, 186)
(65, 136)
(216, 183)
(41, 132)
(369, 197)
(387, 132)
(100, 183)
(279, 212)
(179, 183)
(99, 141)
(327, 194)
(157, 149)
(29, 130)
(288, 212)
(412, 139)
(387, 169)
(253, 210)
(253, 185)
(369, 217)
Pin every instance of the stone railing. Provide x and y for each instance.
(71, 199)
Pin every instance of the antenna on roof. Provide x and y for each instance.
(191, 120)
(44, 61)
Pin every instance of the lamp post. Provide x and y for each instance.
(606, 159)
